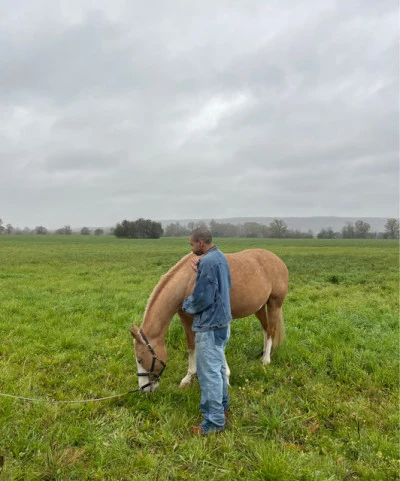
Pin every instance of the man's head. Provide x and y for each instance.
(200, 241)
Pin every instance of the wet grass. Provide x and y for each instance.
(325, 409)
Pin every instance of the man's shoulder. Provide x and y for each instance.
(214, 256)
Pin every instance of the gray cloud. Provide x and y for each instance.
(197, 110)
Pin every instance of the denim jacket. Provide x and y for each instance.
(210, 301)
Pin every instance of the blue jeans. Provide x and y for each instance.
(211, 373)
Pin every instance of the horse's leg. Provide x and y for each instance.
(190, 335)
(262, 316)
(228, 372)
(272, 324)
(187, 325)
(276, 329)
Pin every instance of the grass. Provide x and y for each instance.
(325, 409)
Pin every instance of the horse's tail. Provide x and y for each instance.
(279, 331)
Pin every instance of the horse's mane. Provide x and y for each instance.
(164, 279)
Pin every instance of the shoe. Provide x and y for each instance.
(226, 414)
(198, 430)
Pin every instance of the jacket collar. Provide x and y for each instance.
(209, 250)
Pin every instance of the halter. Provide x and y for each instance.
(156, 377)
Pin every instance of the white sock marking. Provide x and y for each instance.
(267, 349)
(192, 369)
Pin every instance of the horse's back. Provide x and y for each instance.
(259, 263)
(257, 275)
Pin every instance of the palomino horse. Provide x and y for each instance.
(259, 286)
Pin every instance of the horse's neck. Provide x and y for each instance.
(166, 299)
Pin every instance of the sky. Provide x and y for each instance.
(121, 109)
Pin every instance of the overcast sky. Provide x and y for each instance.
(113, 110)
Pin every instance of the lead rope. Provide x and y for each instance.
(81, 401)
(149, 373)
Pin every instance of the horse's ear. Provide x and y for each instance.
(135, 331)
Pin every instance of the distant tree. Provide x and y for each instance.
(40, 230)
(85, 231)
(142, 228)
(221, 229)
(66, 230)
(252, 229)
(348, 231)
(172, 230)
(155, 229)
(362, 229)
(327, 233)
(215, 228)
(98, 232)
(392, 228)
(176, 230)
(122, 229)
(278, 228)
(194, 225)
(298, 234)
(9, 229)
(1, 226)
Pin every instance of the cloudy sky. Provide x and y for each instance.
(181, 109)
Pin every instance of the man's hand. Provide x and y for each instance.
(193, 263)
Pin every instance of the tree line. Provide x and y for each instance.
(279, 229)
(41, 230)
(362, 230)
(148, 229)
(141, 228)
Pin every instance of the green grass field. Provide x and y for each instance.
(325, 409)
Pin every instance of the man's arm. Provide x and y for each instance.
(202, 297)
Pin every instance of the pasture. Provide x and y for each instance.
(325, 409)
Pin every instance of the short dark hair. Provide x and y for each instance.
(201, 233)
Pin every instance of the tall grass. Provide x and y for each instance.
(325, 409)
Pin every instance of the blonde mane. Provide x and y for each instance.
(163, 280)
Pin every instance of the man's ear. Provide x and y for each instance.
(135, 331)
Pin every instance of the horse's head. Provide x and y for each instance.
(151, 360)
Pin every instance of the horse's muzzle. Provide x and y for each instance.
(147, 386)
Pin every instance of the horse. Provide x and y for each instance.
(259, 286)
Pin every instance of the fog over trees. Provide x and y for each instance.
(277, 228)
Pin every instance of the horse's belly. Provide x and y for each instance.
(246, 305)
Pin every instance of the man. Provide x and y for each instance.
(210, 304)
